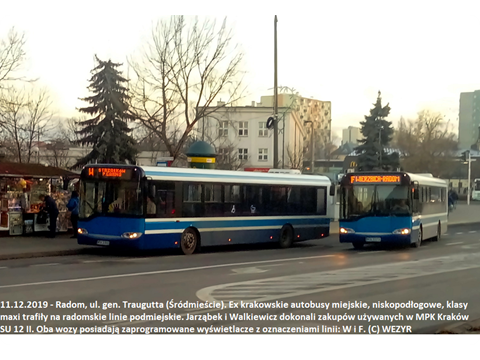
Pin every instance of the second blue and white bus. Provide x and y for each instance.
(160, 208)
(392, 208)
(476, 190)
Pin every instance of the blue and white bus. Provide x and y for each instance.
(159, 208)
(476, 190)
(392, 208)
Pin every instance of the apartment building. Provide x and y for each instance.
(469, 119)
(242, 140)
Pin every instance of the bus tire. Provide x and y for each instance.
(286, 237)
(439, 232)
(190, 241)
(417, 243)
(358, 245)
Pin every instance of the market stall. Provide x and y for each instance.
(21, 187)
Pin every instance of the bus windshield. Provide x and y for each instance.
(376, 200)
(477, 184)
(113, 197)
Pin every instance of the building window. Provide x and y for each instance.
(243, 128)
(223, 154)
(223, 131)
(262, 129)
(262, 154)
(243, 154)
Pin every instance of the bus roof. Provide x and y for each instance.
(229, 176)
(225, 176)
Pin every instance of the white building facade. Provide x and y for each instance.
(243, 142)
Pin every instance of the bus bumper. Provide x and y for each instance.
(109, 242)
(392, 239)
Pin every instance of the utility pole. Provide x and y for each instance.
(469, 177)
(275, 101)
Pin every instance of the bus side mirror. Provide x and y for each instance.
(416, 194)
(152, 192)
(332, 190)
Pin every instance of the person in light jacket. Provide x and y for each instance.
(73, 206)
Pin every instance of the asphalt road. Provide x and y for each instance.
(317, 272)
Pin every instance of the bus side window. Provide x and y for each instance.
(232, 202)
(252, 200)
(192, 200)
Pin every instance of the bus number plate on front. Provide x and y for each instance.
(103, 242)
(373, 239)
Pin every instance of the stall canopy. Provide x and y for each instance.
(34, 170)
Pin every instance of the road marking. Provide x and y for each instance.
(162, 271)
(472, 232)
(248, 270)
(92, 261)
(3, 267)
(297, 285)
(459, 233)
(455, 243)
(447, 234)
(50, 264)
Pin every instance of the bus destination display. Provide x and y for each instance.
(113, 173)
(377, 179)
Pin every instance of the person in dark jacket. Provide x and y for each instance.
(73, 206)
(51, 208)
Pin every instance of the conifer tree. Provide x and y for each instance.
(377, 135)
(107, 130)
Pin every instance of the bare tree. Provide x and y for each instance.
(185, 68)
(12, 56)
(57, 153)
(426, 144)
(24, 118)
(295, 157)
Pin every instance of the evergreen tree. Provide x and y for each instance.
(107, 130)
(377, 134)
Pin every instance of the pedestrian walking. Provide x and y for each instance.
(50, 206)
(454, 198)
(73, 206)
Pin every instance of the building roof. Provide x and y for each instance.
(33, 170)
(344, 149)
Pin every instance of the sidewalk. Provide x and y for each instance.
(19, 247)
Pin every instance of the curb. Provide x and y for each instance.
(40, 254)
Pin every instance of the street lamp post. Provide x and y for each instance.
(380, 146)
(469, 177)
(311, 145)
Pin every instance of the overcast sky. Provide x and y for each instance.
(420, 54)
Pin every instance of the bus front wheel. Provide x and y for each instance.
(417, 243)
(190, 241)
(286, 237)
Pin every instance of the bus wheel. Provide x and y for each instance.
(358, 245)
(439, 232)
(417, 243)
(189, 242)
(286, 237)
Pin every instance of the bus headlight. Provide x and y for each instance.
(402, 231)
(131, 235)
(346, 231)
(82, 231)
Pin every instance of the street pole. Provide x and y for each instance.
(380, 147)
(283, 143)
(275, 101)
(313, 152)
(469, 177)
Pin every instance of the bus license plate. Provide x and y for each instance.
(103, 242)
(373, 239)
